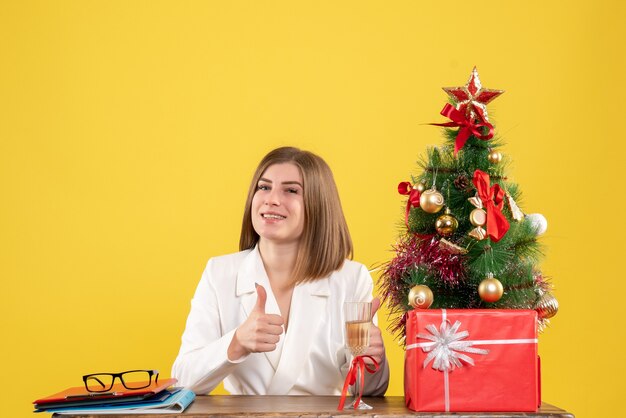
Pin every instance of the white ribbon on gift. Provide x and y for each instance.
(445, 349)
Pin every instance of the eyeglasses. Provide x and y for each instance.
(131, 379)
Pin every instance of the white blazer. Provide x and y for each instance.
(310, 359)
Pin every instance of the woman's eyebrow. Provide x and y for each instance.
(284, 182)
(292, 182)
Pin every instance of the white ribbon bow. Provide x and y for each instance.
(446, 348)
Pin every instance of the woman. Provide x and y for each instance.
(268, 320)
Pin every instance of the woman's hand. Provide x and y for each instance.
(376, 348)
(259, 333)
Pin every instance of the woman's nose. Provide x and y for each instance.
(272, 198)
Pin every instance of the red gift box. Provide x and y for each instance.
(471, 360)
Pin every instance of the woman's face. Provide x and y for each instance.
(278, 204)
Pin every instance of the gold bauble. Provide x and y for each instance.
(547, 306)
(420, 187)
(478, 217)
(421, 297)
(494, 157)
(446, 224)
(490, 289)
(431, 201)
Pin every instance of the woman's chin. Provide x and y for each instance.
(279, 239)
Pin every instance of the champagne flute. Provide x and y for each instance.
(358, 317)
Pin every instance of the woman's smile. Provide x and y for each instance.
(273, 216)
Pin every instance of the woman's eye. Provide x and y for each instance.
(262, 187)
(295, 191)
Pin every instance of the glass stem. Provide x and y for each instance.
(356, 386)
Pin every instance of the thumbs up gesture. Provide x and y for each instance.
(376, 348)
(259, 333)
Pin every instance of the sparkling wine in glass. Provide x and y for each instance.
(358, 317)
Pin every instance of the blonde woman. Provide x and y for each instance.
(268, 320)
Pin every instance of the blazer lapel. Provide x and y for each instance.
(250, 273)
(247, 276)
(308, 304)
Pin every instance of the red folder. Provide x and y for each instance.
(117, 392)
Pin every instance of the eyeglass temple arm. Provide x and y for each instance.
(95, 378)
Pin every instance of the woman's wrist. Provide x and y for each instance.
(235, 350)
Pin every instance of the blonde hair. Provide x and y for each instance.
(325, 242)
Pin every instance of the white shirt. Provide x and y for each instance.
(310, 359)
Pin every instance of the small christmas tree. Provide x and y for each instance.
(467, 244)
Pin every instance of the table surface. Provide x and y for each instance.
(318, 406)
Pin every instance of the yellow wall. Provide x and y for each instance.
(129, 132)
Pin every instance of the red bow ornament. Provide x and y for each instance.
(466, 127)
(358, 367)
(405, 188)
(492, 198)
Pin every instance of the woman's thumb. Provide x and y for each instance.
(261, 298)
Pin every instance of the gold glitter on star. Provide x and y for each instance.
(472, 99)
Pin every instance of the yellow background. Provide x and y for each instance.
(129, 132)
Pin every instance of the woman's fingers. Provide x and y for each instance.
(274, 319)
(376, 348)
(260, 332)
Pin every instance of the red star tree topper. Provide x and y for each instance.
(472, 99)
